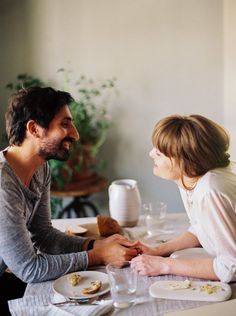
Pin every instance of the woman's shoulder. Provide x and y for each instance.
(217, 180)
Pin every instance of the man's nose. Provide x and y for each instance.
(74, 133)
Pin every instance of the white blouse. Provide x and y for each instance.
(211, 208)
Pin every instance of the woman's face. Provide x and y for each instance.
(164, 167)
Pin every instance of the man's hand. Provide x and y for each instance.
(116, 238)
(123, 250)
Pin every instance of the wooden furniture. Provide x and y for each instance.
(80, 192)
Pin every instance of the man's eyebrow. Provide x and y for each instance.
(67, 118)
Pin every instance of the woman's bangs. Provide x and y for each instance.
(164, 142)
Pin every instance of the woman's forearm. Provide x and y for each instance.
(184, 241)
(156, 265)
(198, 268)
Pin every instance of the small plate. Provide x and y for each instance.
(75, 230)
(63, 287)
(190, 253)
(172, 290)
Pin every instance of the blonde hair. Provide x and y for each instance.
(197, 143)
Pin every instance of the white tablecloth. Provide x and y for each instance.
(146, 305)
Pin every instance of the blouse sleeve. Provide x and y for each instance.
(218, 220)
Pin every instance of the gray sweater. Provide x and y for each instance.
(29, 246)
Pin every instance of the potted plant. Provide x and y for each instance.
(89, 111)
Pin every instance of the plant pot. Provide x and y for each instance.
(78, 170)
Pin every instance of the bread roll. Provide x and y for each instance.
(107, 226)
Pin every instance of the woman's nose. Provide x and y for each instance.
(151, 153)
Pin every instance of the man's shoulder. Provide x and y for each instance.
(3, 163)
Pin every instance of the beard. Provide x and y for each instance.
(54, 149)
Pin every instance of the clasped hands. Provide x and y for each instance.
(144, 259)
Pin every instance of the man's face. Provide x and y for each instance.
(58, 137)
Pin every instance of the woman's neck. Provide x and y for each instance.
(188, 183)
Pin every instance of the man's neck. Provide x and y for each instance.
(24, 162)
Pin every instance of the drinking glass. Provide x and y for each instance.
(155, 214)
(123, 283)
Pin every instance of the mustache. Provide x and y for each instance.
(68, 139)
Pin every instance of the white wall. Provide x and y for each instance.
(166, 54)
(230, 71)
(14, 48)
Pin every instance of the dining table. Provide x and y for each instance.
(175, 224)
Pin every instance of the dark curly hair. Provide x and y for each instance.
(36, 103)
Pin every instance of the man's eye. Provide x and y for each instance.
(64, 125)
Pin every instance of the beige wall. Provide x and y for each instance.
(14, 35)
(166, 54)
(230, 71)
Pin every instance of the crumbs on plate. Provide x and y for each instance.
(74, 279)
(186, 284)
(210, 289)
(206, 288)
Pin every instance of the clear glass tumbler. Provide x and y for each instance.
(155, 214)
(123, 283)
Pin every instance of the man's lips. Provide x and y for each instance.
(66, 144)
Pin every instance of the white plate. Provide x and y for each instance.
(158, 238)
(190, 253)
(76, 229)
(163, 289)
(63, 287)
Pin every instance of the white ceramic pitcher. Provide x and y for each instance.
(124, 201)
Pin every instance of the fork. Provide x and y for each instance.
(79, 301)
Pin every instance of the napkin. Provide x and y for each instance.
(41, 305)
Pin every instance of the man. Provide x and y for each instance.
(40, 127)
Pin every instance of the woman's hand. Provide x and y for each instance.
(145, 249)
(150, 265)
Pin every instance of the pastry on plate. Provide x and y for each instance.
(74, 279)
(94, 287)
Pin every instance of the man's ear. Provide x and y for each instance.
(33, 128)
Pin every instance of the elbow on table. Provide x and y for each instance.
(225, 269)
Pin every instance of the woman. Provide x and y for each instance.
(192, 152)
